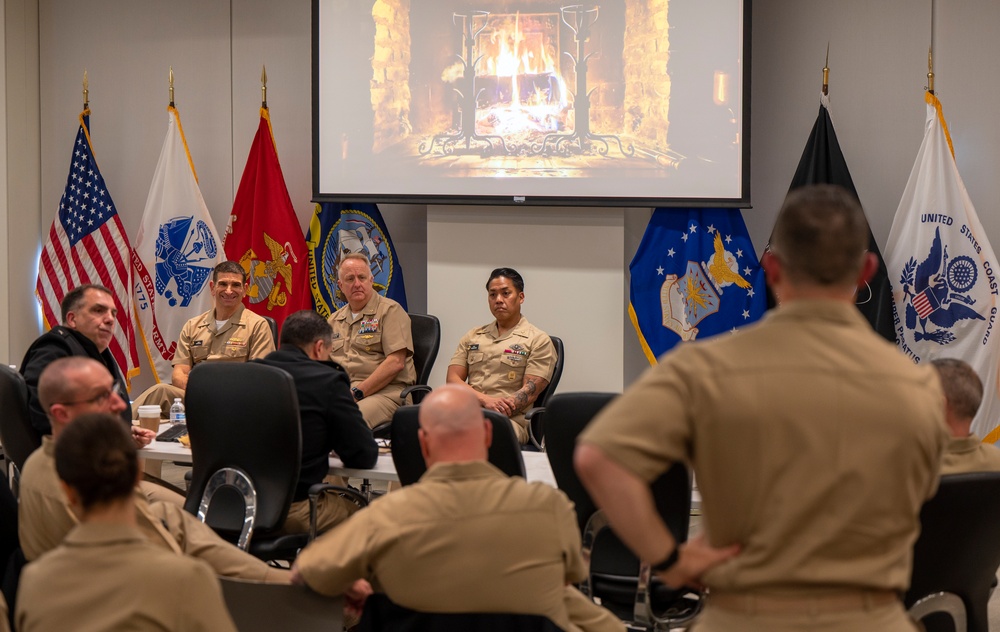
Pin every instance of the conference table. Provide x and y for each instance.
(536, 464)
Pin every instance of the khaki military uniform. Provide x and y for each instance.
(970, 454)
(244, 337)
(497, 364)
(44, 519)
(814, 442)
(108, 577)
(454, 542)
(361, 343)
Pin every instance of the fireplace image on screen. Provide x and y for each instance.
(511, 90)
(509, 95)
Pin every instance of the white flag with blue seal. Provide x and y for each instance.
(175, 251)
(943, 270)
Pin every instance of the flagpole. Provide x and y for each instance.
(263, 86)
(930, 70)
(171, 82)
(826, 72)
(86, 91)
(930, 57)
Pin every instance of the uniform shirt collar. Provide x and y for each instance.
(830, 310)
(88, 535)
(235, 319)
(461, 471)
(493, 329)
(963, 445)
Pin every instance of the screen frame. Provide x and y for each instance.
(743, 201)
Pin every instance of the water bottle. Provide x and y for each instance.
(177, 415)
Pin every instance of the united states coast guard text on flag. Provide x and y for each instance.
(175, 251)
(338, 229)
(694, 275)
(943, 270)
(87, 244)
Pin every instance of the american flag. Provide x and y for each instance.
(87, 244)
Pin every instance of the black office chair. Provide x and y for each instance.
(274, 329)
(246, 452)
(504, 453)
(18, 436)
(261, 607)
(956, 557)
(426, 331)
(11, 556)
(616, 575)
(381, 613)
(536, 416)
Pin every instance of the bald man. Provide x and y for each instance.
(453, 541)
(67, 389)
(963, 393)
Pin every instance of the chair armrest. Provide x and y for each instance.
(684, 607)
(319, 488)
(536, 416)
(597, 522)
(417, 390)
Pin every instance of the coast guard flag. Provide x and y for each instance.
(943, 270)
(823, 162)
(175, 250)
(337, 229)
(87, 244)
(694, 275)
(264, 235)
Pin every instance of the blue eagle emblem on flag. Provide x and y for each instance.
(182, 244)
(337, 230)
(936, 292)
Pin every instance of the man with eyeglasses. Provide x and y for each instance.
(69, 388)
(88, 315)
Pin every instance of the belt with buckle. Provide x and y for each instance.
(805, 603)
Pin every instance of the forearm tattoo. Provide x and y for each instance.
(523, 397)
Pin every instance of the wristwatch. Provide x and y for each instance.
(666, 563)
(358, 394)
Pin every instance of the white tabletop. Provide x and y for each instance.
(536, 464)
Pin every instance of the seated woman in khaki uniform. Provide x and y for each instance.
(106, 575)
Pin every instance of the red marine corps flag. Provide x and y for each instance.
(264, 235)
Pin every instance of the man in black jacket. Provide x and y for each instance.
(330, 418)
(88, 324)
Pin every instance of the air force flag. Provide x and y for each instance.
(339, 229)
(944, 272)
(694, 275)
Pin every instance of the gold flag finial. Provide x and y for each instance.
(263, 86)
(86, 90)
(826, 71)
(930, 70)
(171, 77)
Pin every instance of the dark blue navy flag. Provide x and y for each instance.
(338, 229)
(694, 275)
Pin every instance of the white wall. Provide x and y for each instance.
(877, 60)
(570, 259)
